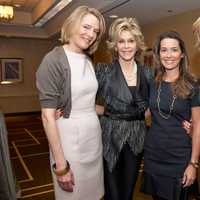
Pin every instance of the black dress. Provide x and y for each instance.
(167, 148)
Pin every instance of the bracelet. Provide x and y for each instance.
(194, 164)
(61, 172)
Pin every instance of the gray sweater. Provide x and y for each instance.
(53, 81)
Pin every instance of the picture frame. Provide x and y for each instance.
(11, 70)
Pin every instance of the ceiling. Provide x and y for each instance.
(29, 13)
(24, 5)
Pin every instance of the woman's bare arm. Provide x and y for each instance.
(191, 171)
(51, 130)
(65, 181)
(195, 133)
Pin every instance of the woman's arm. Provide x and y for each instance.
(191, 171)
(195, 134)
(66, 181)
(51, 130)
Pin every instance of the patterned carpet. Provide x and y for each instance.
(30, 158)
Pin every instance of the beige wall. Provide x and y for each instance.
(183, 24)
(22, 97)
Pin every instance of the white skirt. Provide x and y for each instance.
(82, 145)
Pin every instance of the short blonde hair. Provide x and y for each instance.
(196, 31)
(125, 24)
(71, 23)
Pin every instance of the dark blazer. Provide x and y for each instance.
(123, 121)
(117, 96)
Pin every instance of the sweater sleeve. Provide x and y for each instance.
(48, 82)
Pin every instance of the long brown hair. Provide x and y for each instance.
(184, 84)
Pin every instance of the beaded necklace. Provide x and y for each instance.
(171, 107)
(133, 76)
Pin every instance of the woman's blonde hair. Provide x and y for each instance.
(125, 24)
(196, 31)
(74, 20)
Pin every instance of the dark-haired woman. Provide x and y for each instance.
(171, 157)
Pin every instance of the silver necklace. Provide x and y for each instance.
(133, 76)
(171, 107)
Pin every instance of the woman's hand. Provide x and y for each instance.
(189, 176)
(99, 109)
(59, 113)
(187, 125)
(66, 182)
(147, 113)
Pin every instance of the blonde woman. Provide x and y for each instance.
(123, 87)
(66, 80)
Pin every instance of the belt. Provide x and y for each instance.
(126, 117)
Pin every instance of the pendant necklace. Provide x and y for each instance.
(171, 107)
(132, 76)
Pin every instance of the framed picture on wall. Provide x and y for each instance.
(11, 70)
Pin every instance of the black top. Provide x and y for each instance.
(167, 145)
(132, 89)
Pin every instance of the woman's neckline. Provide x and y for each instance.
(69, 51)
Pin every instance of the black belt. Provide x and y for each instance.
(125, 117)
